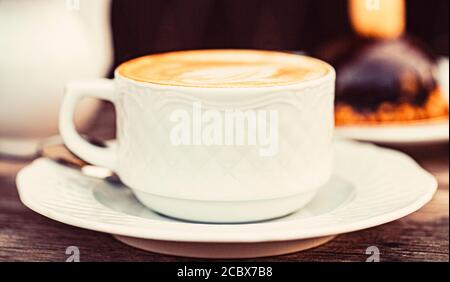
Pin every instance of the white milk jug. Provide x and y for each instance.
(43, 45)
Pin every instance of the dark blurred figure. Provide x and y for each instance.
(144, 27)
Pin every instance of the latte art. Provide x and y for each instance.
(224, 68)
(230, 74)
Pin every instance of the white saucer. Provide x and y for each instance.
(420, 133)
(370, 186)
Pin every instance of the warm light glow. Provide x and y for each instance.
(378, 18)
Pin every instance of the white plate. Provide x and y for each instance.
(412, 134)
(418, 134)
(370, 186)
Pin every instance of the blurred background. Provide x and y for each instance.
(143, 27)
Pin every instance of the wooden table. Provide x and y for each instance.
(422, 236)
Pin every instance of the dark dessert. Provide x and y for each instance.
(383, 76)
(384, 81)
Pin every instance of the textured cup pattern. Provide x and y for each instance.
(149, 162)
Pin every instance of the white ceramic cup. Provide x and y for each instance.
(211, 183)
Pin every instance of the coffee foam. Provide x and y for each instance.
(224, 68)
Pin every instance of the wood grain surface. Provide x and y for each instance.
(422, 236)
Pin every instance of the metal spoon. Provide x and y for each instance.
(57, 152)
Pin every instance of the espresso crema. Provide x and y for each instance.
(224, 68)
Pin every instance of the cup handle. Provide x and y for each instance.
(75, 91)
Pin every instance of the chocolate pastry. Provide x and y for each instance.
(384, 81)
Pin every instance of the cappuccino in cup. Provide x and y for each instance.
(223, 69)
(215, 135)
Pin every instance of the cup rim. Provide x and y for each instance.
(330, 75)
